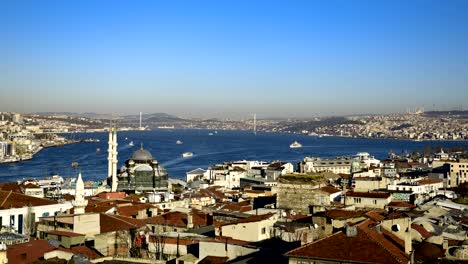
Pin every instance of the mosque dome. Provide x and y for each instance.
(142, 155)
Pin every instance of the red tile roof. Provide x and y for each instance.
(375, 215)
(367, 246)
(111, 223)
(344, 214)
(226, 240)
(253, 218)
(10, 199)
(330, 189)
(91, 253)
(10, 186)
(238, 207)
(179, 219)
(213, 260)
(421, 230)
(401, 204)
(64, 233)
(28, 252)
(132, 210)
(429, 181)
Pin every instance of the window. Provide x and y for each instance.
(59, 238)
(263, 231)
(45, 214)
(375, 201)
(20, 223)
(12, 220)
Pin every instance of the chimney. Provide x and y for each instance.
(209, 219)
(351, 231)
(190, 220)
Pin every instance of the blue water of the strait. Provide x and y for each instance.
(207, 149)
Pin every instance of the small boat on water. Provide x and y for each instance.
(126, 138)
(178, 142)
(98, 150)
(131, 144)
(187, 154)
(210, 134)
(295, 144)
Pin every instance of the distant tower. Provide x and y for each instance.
(255, 124)
(140, 121)
(110, 151)
(112, 158)
(80, 202)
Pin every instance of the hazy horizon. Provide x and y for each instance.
(220, 59)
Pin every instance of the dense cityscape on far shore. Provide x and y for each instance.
(403, 207)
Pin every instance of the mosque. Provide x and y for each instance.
(140, 173)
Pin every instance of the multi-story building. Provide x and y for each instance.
(458, 173)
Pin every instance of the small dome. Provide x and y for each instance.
(142, 155)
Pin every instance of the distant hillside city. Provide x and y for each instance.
(408, 208)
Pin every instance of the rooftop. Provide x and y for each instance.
(368, 246)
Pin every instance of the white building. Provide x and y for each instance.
(20, 211)
(254, 228)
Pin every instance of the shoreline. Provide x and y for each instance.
(30, 156)
(276, 132)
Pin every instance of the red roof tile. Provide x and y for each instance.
(330, 189)
(91, 253)
(421, 230)
(253, 218)
(429, 181)
(238, 207)
(375, 215)
(344, 214)
(28, 252)
(111, 223)
(179, 219)
(132, 210)
(64, 233)
(401, 204)
(10, 199)
(367, 246)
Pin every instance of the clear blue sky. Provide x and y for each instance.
(233, 58)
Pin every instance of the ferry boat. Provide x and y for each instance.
(187, 154)
(295, 144)
(131, 144)
(178, 142)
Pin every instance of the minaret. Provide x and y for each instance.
(80, 202)
(114, 161)
(110, 151)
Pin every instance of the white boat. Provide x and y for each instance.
(187, 154)
(178, 142)
(295, 144)
(131, 144)
(210, 134)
